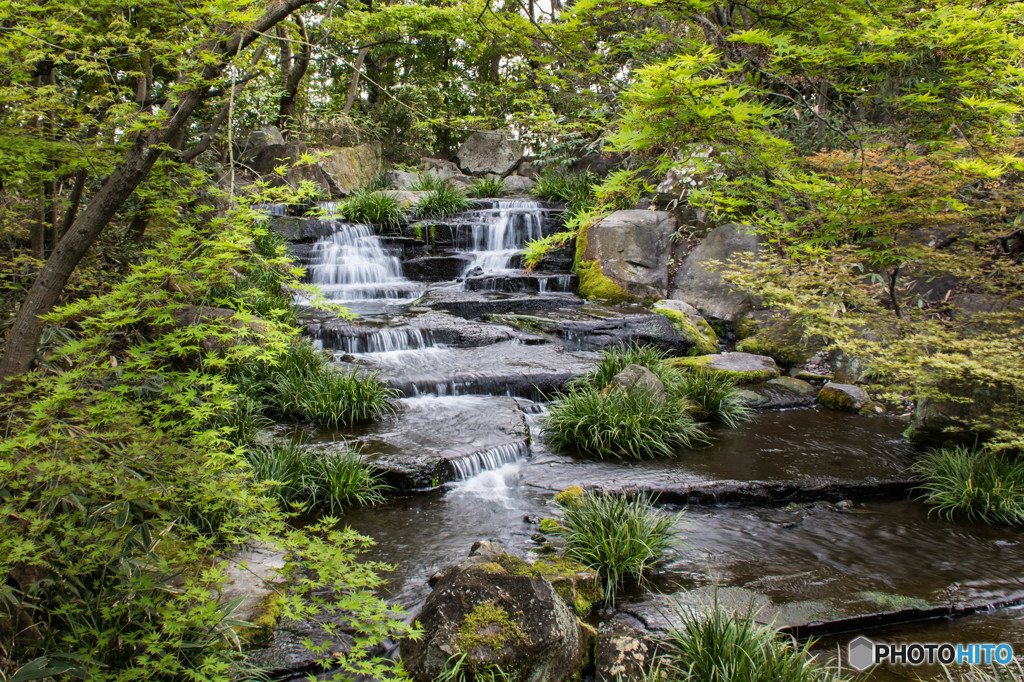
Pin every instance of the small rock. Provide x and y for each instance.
(793, 384)
(845, 397)
(635, 377)
(872, 408)
(622, 653)
(844, 504)
(539, 538)
(517, 184)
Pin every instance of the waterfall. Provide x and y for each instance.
(489, 460)
(495, 235)
(352, 265)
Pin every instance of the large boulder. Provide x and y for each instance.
(628, 250)
(350, 168)
(258, 140)
(497, 618)
(702, 286)
(492, 151)
(689, 324)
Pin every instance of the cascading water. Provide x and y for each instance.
(352, 268)
(495, 235)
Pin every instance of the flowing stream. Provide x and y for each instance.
(474, 396)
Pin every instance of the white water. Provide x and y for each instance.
(352, 265)
(494, 236)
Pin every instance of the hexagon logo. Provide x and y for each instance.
(861, 653)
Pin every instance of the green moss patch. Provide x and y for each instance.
(490, 627)
(701, 335)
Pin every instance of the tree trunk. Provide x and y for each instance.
(353, 88)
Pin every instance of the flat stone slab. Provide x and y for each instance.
(433, 440)
(514, 369)
(776, 458)
(252, 575)
(474, 304)
(411, 331)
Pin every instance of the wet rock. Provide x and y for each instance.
(622, 653)
(743, 367)
(287, 650)
(436, 268)
(631, 249)
(527, 371)
(497, 618)
(636, 377)
(700, 285)
(493, 151)
(474, 304)
(432, 439)
(842, 396)
(690, 324)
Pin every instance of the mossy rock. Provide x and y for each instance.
(570, 497)
(578, 586)
(700, 334)
(487, 626)
(593, 284)
(795, 385)
(844, 397)
(744, 368)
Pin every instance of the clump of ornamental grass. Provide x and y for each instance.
(428, 181)
(718, 645)
(714, 392)
(334, 478)
(485, 188)
(619, 423)
(373, 207)
(974, 483)
(443, 201)
(304, 384)
(622, 538)
(378, 183)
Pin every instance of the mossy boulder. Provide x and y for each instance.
(744, 368)
(773, 333)
(689, 324)
(570, 497)
(624, 256)
(795, 385)
(501, 614)
(846, 397)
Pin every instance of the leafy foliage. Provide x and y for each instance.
(976, 483)
(620, 537)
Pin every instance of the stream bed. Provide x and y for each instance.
(804, 514)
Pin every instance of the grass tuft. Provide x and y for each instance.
(443, 201)
(974, 483)
(714, 392)
(293, 474)
(366, 206)
(486, 188)
(428, 181)
(718, 645)
(621, 423)
(622, 538)
(560, 185)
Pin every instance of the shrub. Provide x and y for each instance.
(428, 181)
(443, 201)
(291, 473)
(619, 537)
(486, 188)
(974, 483)
(621, 423)
(723, 646)
(373, 207)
